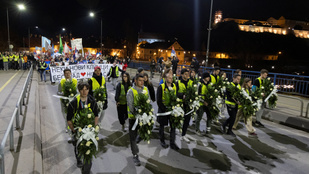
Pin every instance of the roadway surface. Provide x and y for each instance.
(278, 149)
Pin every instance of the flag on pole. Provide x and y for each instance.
(46, 43)
(173, 53)
(60, 45)
(66, 48)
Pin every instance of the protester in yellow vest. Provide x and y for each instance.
(132, 94)
(202, 90)
(232, 107)
(42, 69)
(95, 82)
(163, 120)
(5, 62)
(114, 74)
(215, 75)
(258, 83)
(182, 86)
(251, 131)
(121, 98)
(81, 101)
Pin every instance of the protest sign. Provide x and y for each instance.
(79, 71)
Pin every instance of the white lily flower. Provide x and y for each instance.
(99, 95)
(88, 152)
(195, 85)
(89, 115)
(139, 111)
(70, 89)
(148, 101)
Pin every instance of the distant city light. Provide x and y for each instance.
(36, 27)
(229, 66)
(91, 14)
(272, 67)
(280, 52)
(63, 29)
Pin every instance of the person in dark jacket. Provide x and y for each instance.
(195, 65)
(114, 73)
(121, 98)
(150, 87)
(79, 102)
(152, 67)
(163, 120)
(175, 64)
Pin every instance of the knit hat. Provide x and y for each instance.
(97, 67)
(205, 75)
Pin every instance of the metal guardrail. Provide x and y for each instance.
(295, 98)
(307, 110)
(17, 112)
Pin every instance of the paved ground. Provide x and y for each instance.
(278, 149)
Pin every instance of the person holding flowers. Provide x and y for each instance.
(215, 75)
(232, 104)
(202, 92)
(121, 98)
(259, 84)
(83, 113)
(67, 87)
(134, 94)
(181, 87)
(248, 120)
(164, 101)
(95, 82)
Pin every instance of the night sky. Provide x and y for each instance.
(183, 19)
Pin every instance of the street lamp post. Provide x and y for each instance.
(91, 14)
(20, 7)
(209, 30)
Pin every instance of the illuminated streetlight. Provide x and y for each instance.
(21, 7)
(63, 29)
(91, 14)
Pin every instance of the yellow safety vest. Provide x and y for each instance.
(163, 93)
(11, 58)
(204, 90)
(5, 58)
(135, 94)
(260, 80)
(95, 83)
(123, 95)
(182, 86)
(16, 58)
(230, 102)
(213, 79)
(77, 106)
(117, 71)
(63, 80)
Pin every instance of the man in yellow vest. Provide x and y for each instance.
(163, 120)
(5, 61)
(79, 102)
(11, 57)
(258, 83)
(67, 77)
(215, 75)
(16, 59)
(181, 87)
(114, 74)
(202, 90)
(132, 94)
(232, 107)
(95, 82)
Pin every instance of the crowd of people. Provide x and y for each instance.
(15, 61)
(126, 93)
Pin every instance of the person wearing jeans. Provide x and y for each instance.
(42, 69)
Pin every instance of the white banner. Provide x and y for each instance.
(79, 71)
(77, 43)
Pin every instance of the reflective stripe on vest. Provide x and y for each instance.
(95, 83)
(16, 58)
(229, 102)
(135, 93)
(163, 93)
(123, 95)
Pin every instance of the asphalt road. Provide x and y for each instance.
(278, 149)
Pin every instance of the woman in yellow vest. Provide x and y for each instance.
(121, 98)
(251, 131)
